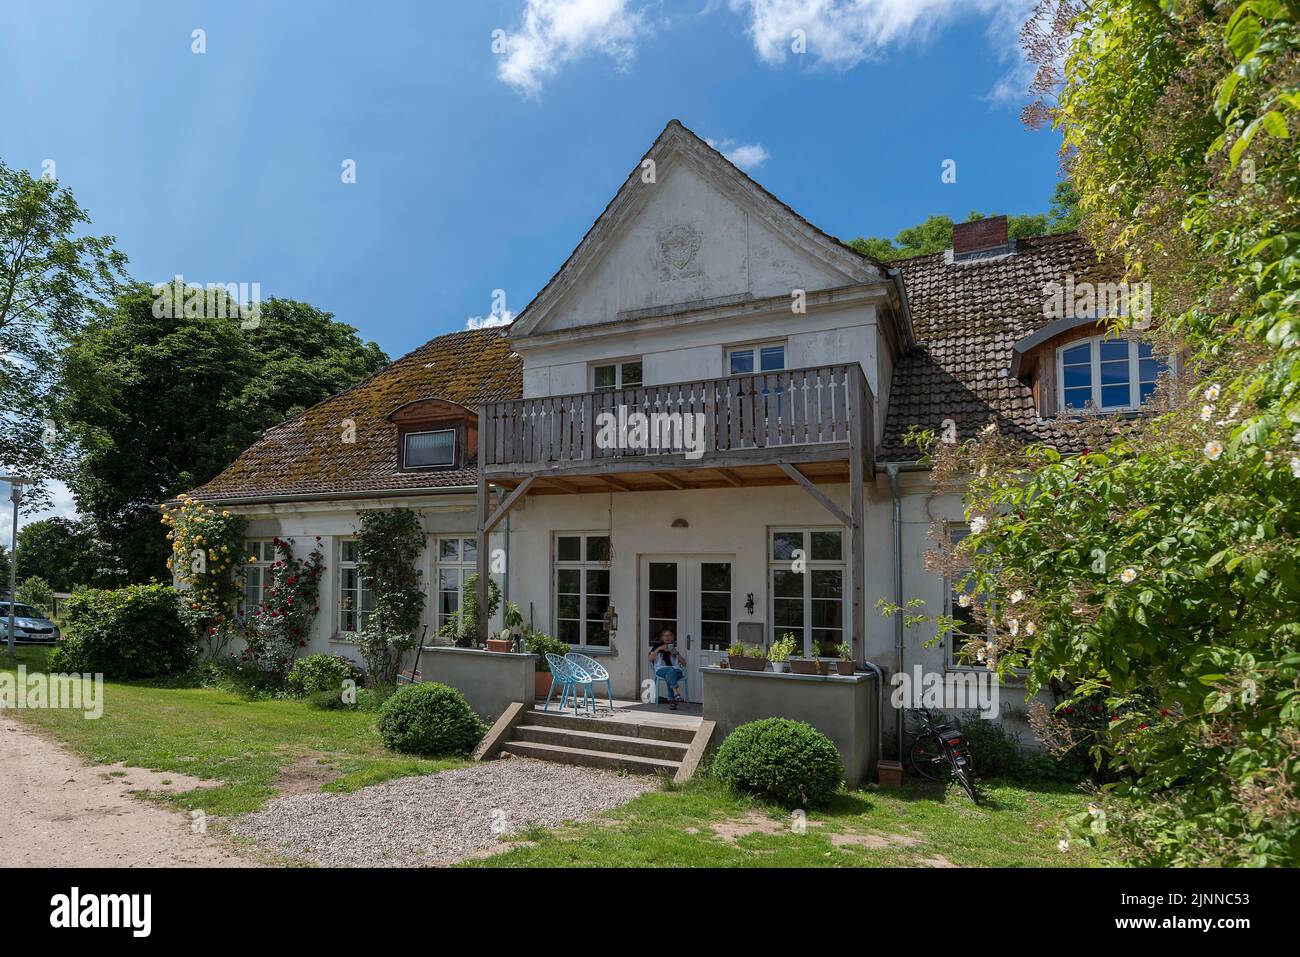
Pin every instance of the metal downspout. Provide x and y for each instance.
(892, 470)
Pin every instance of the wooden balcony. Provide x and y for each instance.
(753, 428)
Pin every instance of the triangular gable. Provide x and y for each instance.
(701, 232)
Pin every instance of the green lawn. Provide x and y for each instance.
(246, 745)
(702, 825)
(253, 747)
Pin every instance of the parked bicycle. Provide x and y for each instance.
(940, 753)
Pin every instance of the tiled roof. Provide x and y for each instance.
(307, 454)
(967, 316)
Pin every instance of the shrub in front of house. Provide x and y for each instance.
(429, 718)
(789, 762)
(317, 673)
(131, 632)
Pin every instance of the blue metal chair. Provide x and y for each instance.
(570, 677)
(685, 683)
(595, 670)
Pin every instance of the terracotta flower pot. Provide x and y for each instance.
(500, 644)
(846, 668)
(810, 666)
(746, 663)
(541, 684)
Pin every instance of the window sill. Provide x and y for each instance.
(343, 638)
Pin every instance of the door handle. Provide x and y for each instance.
(688, 641)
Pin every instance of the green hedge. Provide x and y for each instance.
(131, 632)
(429, 718)
(785, 761)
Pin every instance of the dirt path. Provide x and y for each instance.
(58, 811)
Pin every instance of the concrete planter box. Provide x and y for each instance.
(844, 708)
(489, 680)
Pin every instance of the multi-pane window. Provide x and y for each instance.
(807, 580)
(456, 562)
(356, 600)
(1107, 374)
(750, 359)
(427, 449)
(257, 574)
(582, 588)
(616, 375)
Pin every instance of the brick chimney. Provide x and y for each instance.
(979, 235)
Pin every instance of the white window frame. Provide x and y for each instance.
(756, 349)
(784, 564)
(582, 565)
(463, 567)
(617, 365)
(253, 546)
(406, 461)
(1094, 367)
(362, 588)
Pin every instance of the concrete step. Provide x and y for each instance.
(600, 741)
(587, 758)
(629, 729)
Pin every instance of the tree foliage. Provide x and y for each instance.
(51, 281)
(159, 405)
(1160, 574)
(60, 550)
(935, 234)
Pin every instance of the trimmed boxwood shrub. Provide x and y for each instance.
(789, 762)
(131, 632)
(429, 718)
(321, 673)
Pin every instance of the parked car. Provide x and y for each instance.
(30, 625)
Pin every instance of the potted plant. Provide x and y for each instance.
(845, 665)
(742, 657)
(811, 666)
(502, 642)
(780, 652)
(539, 644)
(513, 618)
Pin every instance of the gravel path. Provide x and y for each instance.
(436, 819)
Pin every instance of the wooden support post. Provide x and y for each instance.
(482, 563)
(822, 498)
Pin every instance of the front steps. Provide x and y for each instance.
(632, 746)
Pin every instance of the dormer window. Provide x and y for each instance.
(434, 434)
(1107, 375)
(429, 449)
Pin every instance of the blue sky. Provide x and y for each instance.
(479, 170)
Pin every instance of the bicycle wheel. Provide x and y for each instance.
(968, 782)
(928, 759)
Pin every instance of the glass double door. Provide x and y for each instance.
(691, 595)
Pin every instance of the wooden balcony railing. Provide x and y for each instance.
(745, 418)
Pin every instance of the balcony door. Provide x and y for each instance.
(692, 595)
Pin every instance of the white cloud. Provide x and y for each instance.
(556, 32)
(843, 33)
(745, 155)
(501, 318)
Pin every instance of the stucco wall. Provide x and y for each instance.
(731, 522)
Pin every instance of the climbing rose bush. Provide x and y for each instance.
(1157, 575)
(206, 562)
(275, 630)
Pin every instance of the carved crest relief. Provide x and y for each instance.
(679, 248)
